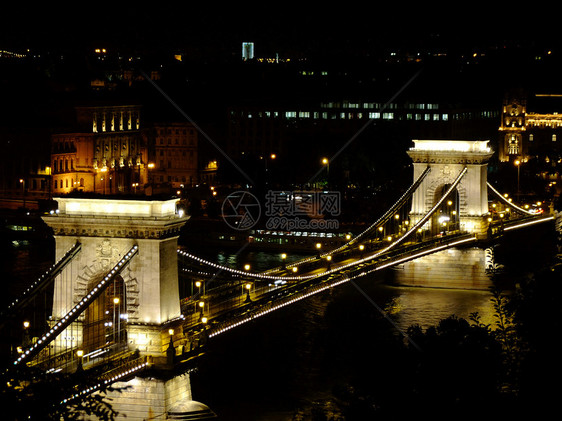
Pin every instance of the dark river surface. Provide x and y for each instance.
(289, 359)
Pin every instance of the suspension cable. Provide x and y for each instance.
(77, 310)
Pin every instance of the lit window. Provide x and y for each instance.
(513, 146)
(531, 138)
(554, 138)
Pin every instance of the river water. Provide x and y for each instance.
(269, 368)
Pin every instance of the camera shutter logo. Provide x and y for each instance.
(241, 210)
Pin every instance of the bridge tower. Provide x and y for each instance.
(132, 313)
(467, 205)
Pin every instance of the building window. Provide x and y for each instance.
(530, 138)
(513, 146)
(554, 138)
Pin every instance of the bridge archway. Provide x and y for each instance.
(105, 321)
(447, 159)
(446, 217)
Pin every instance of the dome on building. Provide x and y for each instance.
(190, 410)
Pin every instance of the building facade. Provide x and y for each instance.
(258, 130)
(531, 128)
(110, 153)
(106, 154)
(173, 154)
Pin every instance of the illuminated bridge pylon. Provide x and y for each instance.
(113, 304)
(466, 208)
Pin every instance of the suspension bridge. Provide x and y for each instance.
(111, 301)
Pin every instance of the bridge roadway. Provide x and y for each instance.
(221, 314)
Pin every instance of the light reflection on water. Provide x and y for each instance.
(427, 306)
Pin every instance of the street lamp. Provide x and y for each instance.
(22, 182)
(518, 165)
(199, 284)
(79, 354)
(248, 287)
(103, 170)
(326, 162)
(201, 305)
(48, 172)
(25, 339)
(116, 318)
(283, 259)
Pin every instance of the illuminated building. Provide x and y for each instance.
(531, 128)
(105, 154)
(110, 153)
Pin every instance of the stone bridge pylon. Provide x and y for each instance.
(132, 313)
(466, 208)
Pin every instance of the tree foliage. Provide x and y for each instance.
(27, 393)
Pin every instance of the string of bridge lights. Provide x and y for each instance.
(507, 201)
(333, 284)
(407, 193)
(106, 382)
(78, 308)
(52, 270)
(400, 239)
(391, 210)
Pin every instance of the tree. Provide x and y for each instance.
(34, 394)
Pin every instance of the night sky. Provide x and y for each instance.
(276, 27)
